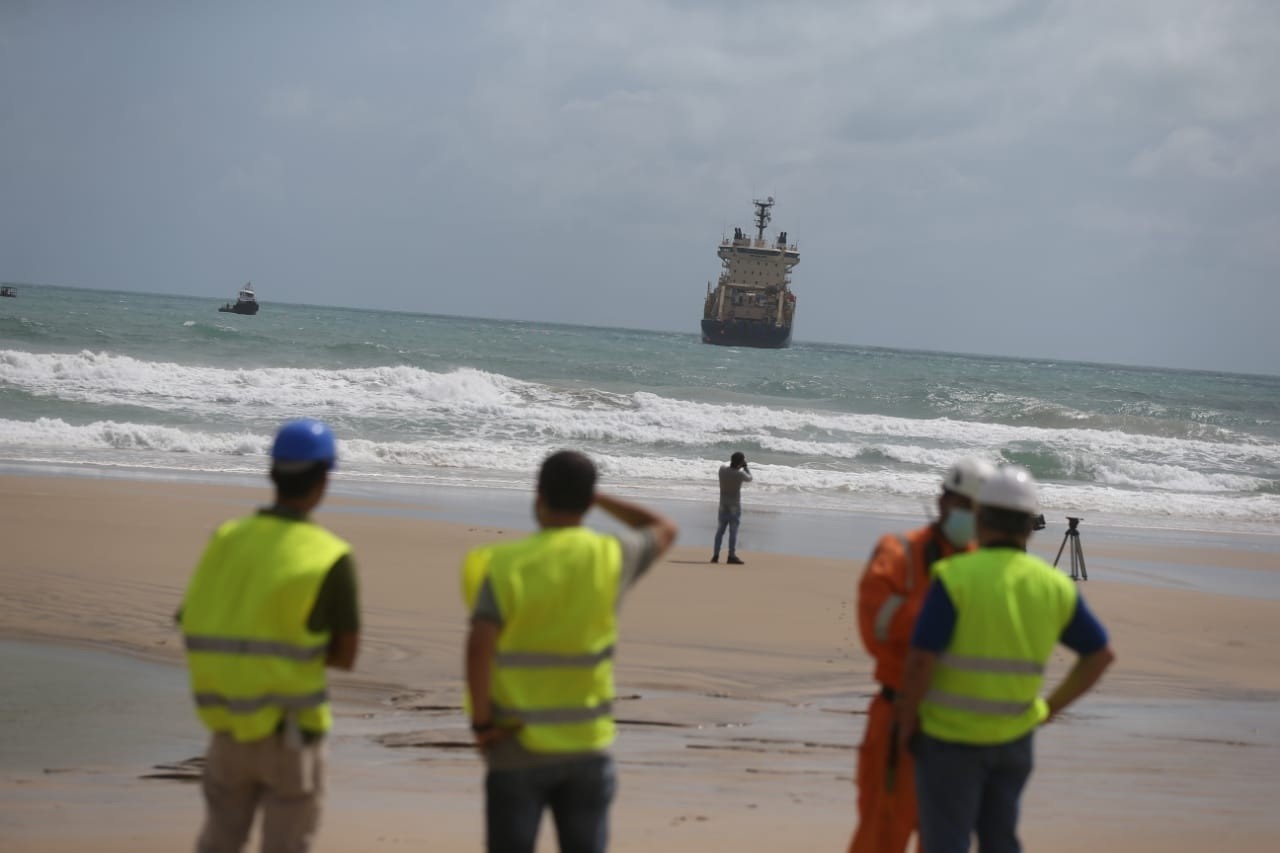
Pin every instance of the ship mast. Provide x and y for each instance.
(762, 215)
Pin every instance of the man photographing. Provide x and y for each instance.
(732, 476)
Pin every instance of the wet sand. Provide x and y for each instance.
(744, 685)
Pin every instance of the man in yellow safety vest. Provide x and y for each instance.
(539, 658)
(971, 694)
(271, 604)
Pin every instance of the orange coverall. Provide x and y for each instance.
(890, 596)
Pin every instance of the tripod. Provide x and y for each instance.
(1078, 571)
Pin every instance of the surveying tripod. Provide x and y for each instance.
(1078, 571)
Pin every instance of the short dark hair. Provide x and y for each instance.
(738, 457)
(567, 481)
(291, 485)
(1008, 521)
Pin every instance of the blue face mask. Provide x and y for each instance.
(959, 527)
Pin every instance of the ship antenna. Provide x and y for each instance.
(762, 215)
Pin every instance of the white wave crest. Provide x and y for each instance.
(407, 421)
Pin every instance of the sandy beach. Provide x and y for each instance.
(742, 688)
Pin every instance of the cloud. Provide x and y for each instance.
(544, 152)
(1201, 153)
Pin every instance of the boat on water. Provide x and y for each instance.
(246, 301)
(6, 290)
(752, 304)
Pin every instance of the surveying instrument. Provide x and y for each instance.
(1072, 536)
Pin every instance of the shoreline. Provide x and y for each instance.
(741, 689)
(511, 500)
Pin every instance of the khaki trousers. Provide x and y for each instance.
(287, 782)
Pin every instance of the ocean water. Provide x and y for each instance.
(166, 386)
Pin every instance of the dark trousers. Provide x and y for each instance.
(578, 792)
(963, 789)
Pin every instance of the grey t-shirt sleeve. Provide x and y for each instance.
(486, 608)
(639, 550)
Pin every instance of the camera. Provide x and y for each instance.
(1038, 522)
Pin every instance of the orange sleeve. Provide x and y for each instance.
(886, 613)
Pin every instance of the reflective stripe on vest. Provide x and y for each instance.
(1011, 609)
(258, 703)
(266, 648)
(978, 706)
(977, 664)
(557, 593)
(251, 656)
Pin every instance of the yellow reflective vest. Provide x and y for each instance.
(557, 592)
(244, 622)
(1011, 608)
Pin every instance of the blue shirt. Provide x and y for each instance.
(1084, 634)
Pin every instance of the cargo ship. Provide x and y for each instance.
(752, 304)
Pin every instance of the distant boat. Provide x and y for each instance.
(9, 291)
(752, 304)
(246, 301)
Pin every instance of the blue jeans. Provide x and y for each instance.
(963, 789)
(728, 518)
(578, 792)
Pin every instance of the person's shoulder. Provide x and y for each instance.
(503, 546)
(914, 538)
(231, 525)
(921, 536)
(891, 546)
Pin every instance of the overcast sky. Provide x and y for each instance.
(1084, 179)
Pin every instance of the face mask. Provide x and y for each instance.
(959, 527)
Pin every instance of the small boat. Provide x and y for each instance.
(9, 291)
(246, 301)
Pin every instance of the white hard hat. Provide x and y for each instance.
(1012, 488)
(967, 475)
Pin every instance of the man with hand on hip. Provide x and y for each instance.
(971, 695)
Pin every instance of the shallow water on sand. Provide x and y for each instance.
(69, 708)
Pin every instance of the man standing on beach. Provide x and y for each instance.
(890, 594)
(272, 603)
(732, 476)
(971, 695)
(539, 658)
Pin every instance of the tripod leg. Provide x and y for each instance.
(1084, 573)
(1065, 539)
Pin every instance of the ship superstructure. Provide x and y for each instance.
(752, 304)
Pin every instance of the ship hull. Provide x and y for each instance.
(728, 333)
(249, 308)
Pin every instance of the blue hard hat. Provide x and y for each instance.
(304, 441)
